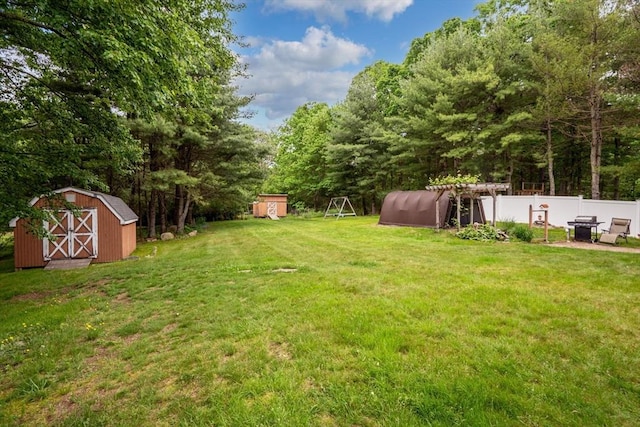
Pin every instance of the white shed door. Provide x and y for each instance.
(75, 237)
(272, 208)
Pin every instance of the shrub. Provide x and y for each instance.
(523, 232)
(6, 244)
(454, 179)
(508, 225)
(483, 232)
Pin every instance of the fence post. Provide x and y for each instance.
(637, 225)
(580, 205)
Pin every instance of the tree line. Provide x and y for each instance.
(136, 99)
(131, 98)
(543, 91)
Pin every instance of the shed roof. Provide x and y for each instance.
(272, 195)
(115, 204)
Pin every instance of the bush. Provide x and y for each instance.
(523, 232)
(508, 225)
(6, 244)
(483, 232)
(455, 179)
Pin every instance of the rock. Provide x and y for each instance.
(167, 236)
(193, 233)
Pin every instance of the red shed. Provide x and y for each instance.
(271, 205)
(104, 231)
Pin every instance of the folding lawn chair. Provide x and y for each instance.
(620, 227)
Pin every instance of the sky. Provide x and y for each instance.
(309, 50)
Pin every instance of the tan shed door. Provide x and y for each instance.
(75, 237)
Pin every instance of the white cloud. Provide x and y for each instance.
(318, 50)
(383, 10)
(287, 74)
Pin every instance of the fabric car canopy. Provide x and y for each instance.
(413, 209)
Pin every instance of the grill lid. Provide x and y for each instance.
(586, 218)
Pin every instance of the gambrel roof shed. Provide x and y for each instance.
(101, 229)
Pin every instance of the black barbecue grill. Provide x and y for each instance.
(584, 226)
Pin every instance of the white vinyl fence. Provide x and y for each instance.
(562, 209)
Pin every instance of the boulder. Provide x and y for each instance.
(167, 236)
(192, 233)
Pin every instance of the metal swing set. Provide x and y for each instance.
(340, 207)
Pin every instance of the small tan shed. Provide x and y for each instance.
(270, 205)
(102, 229)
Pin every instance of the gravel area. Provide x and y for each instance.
(595, 247)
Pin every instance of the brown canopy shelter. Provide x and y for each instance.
(427, 209)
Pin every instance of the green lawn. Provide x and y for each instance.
(329, 322)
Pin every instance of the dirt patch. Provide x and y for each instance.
(97, 360)
(33, 296)
(169, 328)
(63, 408)
(279, 351)
(129, 339)
(95, 288)
(595, 247)
(122, 298)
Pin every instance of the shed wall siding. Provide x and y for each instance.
(128, 233)
(27, 248)
(282, 208)
(109, 237)
(259, 210)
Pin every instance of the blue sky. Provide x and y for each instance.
(309, 50)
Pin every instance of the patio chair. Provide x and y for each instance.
(620, 227)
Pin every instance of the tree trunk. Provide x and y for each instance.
(552, 179)
(183, 200)
(138, 191)
(177, 203)
(596, 141)
(163, 211)
(151, 214)
(190, 219)
(509, 172)
(154, 165)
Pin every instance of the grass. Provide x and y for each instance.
(325, 322)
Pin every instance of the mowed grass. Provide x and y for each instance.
(304, 322)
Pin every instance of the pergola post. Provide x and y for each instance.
(439, 195)
(474, 190)
(458, 210)
(492, 192)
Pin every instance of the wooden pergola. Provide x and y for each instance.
(473, 190)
